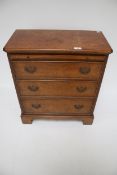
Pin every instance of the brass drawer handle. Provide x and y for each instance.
(85, 70)
(81, 89)
(33, 88)
(78, 106)
(30, 69)
(36, 106)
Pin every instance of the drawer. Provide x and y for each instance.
(56, 105)
(57, 88)
(36, 57)
(57, 69)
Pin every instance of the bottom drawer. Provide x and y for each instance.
(66, 106)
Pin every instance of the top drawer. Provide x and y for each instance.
(57, 69)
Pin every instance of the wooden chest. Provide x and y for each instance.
(57, 73)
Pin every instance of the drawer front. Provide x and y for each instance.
(57, 88)
(57, 106)
(61, 69)
(36, 57)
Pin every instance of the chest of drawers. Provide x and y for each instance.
(57, 73)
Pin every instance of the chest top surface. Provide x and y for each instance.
(58, 42)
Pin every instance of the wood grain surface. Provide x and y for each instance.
(58, 41)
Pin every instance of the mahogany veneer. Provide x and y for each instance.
(57, 73)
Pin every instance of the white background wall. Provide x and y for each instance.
(50, 147)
